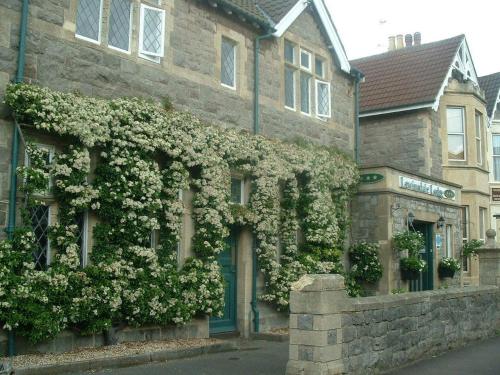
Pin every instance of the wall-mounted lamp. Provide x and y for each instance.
(440, 222)
(410, 218)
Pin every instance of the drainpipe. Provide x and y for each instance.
(255, 309)
(256, 109)
(11, 225)
(358, 78)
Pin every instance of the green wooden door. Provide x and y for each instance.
(227, 261)
(426, 280)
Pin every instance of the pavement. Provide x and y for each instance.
(254, 358)
(478, 358)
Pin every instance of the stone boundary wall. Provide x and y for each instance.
(68, 340)
(331, 333)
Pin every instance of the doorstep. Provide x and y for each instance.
(117, 359)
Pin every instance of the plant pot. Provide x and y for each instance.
(410, 275)
(445, 272)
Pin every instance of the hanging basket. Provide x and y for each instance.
(410, 275)
(445, 272)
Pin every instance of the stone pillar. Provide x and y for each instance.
(316, 304)
(489, 261)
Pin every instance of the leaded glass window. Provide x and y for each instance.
(305, 93)
(319, 68)
(88, 20)
(236, 190)
(289, 52)
(289, 87)
(120, 14)
(228, 63)
(323, 107)
(152, 30)
(40, 221)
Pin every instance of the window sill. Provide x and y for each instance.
(233, 88)
(93, 41)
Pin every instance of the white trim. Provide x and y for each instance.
(329, 115)
(234, 44)
(402, 109)
(85, 238)
(154, 59)
(98, 41)
(493, 156)
(333, 36)
(479, 137)
(141, 31)
(309, 55)
(129, 31)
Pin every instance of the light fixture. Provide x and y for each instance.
(440, 222)
(410, 218)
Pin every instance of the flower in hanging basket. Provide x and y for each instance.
(411, 267)
(448, 266)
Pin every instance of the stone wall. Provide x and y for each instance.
(331, 333)
(68, 341)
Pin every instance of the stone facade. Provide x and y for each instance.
(333, 334)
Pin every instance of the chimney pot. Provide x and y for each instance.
(417, 38)
(392, 43)
(399, 41)
(408, 40)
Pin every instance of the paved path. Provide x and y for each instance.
(479, 358)
(261, 358)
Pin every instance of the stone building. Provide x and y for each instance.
(201, 56)
(491, 86)
(423, 154)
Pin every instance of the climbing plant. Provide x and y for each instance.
(144, 155)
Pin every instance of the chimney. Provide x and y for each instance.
(417, 38)
(392, 43)
(408, 40)
(399, 41)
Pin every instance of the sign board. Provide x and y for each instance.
(439, 241)
(495, 194)
(423, 187)
(370, 178)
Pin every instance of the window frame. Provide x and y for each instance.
(479, 137)
(242, 190)
(129, 51)
(48, 255)
(294, 88)
(51, 153)
(235, 65)
(99, 34)
(493, 155)
(309, 57)
(328, 84)
(310, 78)
(463, 134)
(145, 54)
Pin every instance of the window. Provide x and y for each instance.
(323, 104)
(449, 241)
(456, 133)
(496, 156)
(88, 20)
(120, 19)
(40, 222)
(305, 93)
(319, 68)
(479, 146)
(305, 60)
(49, 155)
(289, 88)
(151, 32)
(153, 239)
(237, 189)
(228, 63)
(82, 221)
(289, 52)
(465, 235)
(482, 221)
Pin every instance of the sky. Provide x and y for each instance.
(365, 25)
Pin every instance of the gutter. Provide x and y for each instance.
(16, 134)
(358, 78)
(256, 89)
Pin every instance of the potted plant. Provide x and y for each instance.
(411, 267)
(447, 267)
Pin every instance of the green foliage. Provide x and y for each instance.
(450, 264)
(470, 248)
(409, 241)
(412, 264)
(365, 265)
(398, 291)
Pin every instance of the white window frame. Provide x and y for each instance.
(493, 155)
(242, 190)
(235, 65)
(309, 57)
(129, 31)
(99, 34)
(464, 125)
(155, 57)
(85, 239)
(309, 100)
(328, 84)
(294, 86)
(479, 138)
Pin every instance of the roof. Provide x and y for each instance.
(276, 9)
(407, 78)
(491, 86)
